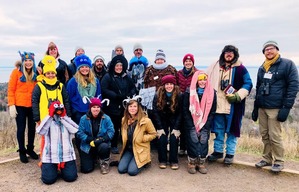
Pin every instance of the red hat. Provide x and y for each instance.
(168, 79)
(188, 56)
(95, 101)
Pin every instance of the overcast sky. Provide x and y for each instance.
(178, 27)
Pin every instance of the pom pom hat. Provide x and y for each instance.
(188, 56)
(168, 79)
(82, 60)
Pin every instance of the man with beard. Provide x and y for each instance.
(98, 67)
(276, 89)
(231, 80)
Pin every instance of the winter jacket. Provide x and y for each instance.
(19, 93)
(100, 74)
(42, 96)
(85, 130)
(152, 76)
(280, 91)
(183, 80)
(144, 133)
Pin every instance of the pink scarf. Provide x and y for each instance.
(200, 110)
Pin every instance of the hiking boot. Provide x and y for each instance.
(114, 150)
(31, 153)
(262, 163)
(23, 156)
(215, 156)
(277, 168)
(229, 159)
(191, 165)
(201, 166)
(174, 166)
(104, 166)
(162, 165)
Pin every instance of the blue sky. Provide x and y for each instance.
(178, 27)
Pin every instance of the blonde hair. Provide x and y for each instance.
(161, 95)
(83, 81)
(140, 114)
(27, 75)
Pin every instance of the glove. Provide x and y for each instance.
(13, 111)
(96, 142)
(160, 132)
(283, 114)
(233, 98)
(255, 114)
(176, 133)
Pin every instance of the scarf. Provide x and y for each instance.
(200, 90)
(89, 90)
(268, 63)
(42, 78)
(200, 110)
(160, 66)
(187, 72)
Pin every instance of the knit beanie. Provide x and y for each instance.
(168, 79)
(119, 47)
(49, 64)
(202, 76)
(77, 48)
(160, 55)
(137, 46)
(188, 56)
(269, 43)
(52, 46)
(24, 56)
(95, 101)
(98, 57)
(82, 60)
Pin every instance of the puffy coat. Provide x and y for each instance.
(144, 133)
(282, 88)
(183, 80)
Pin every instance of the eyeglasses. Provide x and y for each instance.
(269, 49)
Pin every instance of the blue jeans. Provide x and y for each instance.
(127, 164)
(196, 146)
(50, 172)
(220, 124)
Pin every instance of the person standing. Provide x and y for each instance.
(276, 90)
(98, 67)
(167, 117)
(20, 86)
(137, 132)
(199, 106)
(230, 78)
(72, 66)
(117, 86)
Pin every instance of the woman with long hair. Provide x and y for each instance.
(137, 132)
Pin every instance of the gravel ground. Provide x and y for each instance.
(16, 176)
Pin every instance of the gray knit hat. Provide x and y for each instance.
(269, 43)
(160, 55)
(137, 46)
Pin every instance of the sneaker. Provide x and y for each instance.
(162, 165)
(114, 150)
(104, 168)
(228, 160)
(174, 166)
(262, 163)
(277, 168)
(215, 156)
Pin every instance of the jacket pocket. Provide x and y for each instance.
(142, 155)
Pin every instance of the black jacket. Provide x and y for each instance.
(281, 89)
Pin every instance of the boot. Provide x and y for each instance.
(201, 165)
(31, 153)
(23, 156)
(191, 165)
(104, 165)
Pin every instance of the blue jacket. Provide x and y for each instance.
(85, 130)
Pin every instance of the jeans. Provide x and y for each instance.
(197, 147)
(220, 124)
(173, 148)
(23, 114)
(88, 161)
(127, 164)
(50, 172)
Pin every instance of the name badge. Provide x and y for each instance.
(268, 76)
(156, 77)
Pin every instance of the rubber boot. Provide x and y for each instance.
(31, 153)
(201, 166)
(191, 165)
(104, 165)
(23, 156)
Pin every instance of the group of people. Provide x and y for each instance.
(92, 105)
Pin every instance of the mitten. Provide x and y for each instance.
(233, 98)
(160, 132)
(283, 114)
(98, 141)
(12, 111)
(255, 114)
(176, 133)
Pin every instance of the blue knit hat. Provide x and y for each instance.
(82, 60)
(24, 56)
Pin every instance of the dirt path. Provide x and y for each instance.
(15, 176)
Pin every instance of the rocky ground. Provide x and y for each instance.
(16, 176)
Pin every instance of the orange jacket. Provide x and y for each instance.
(19, 93)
